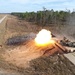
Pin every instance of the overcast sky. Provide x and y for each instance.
(35, 5)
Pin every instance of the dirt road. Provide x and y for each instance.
(2, 28)
(2, 15)
(71, 57)
(3, 18)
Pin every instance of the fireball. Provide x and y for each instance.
(43, 37)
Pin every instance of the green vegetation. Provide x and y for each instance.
(46, 17)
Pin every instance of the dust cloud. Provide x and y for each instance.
(68, 30)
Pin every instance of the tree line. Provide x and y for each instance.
(46, 17)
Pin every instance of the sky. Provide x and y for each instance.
(8, 6)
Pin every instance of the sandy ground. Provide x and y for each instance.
(22, 55)
(17, 59)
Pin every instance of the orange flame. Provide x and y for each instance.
(43, 37)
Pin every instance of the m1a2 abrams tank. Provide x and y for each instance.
(66, 42)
